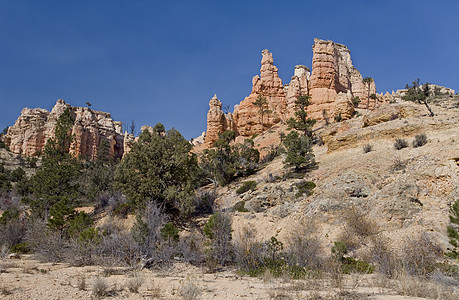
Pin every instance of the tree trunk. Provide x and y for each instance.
(427, 105)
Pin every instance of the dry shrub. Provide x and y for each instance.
(189, 290)
(415, 287)
(190, 248)
(359, 228)
(134, 283)
(367, 148)
(383, 257)
(420, 254)
(99, 287)
(81, 283)
(400, 144)
(304, 247)
(47, 245)
(249, 251)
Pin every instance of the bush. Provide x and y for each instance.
(419, 140)
(249, 251)
(400, 144)
(367, 148)
(246, 186)
(305, 187)
(133, 284)
(218, 231)
(99, 287)
(338, 118)
(204, 202)
(420, 254)
(240, 207)
(304, 247)
(189, 291)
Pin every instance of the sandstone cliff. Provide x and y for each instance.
(34, 127)
(332, 86)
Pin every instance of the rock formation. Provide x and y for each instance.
(246, 115)
(332, 86)
(217, 121)
(34, 127)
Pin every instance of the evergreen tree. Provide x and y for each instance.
(368, 81)
(302, 123)
(162, 168)
(57, 179)
(453, 230)
(418, 92)
(299, 152)
(262, 105)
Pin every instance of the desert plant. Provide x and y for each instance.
(240, 206)
(383, 257)
(419, 140)
(400, 144)
(338, 117)
(304, 247)
(248, 250)
(367, 81)
(134, 283)
(305, 187)
(356, 101)
(170, 233)
(420, 254)
(262, 104)
(246, 186)
(189, 291)
(204, 202)
(99, 287)
(218, 231)
(367, 148)
(418, 92)
(398, 164)
(299, 152)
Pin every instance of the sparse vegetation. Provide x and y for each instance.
(134, 283)
(400, 143)
(305, 188)
(453, 230)
(246, 186)
(419, 140)
(99, 287)
(367, 148)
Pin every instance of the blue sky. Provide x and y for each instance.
(162, 61)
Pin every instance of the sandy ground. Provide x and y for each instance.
(26, 278)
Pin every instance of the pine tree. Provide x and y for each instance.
(368, 81)
(299, 152)
(453, 230)
(302, 123)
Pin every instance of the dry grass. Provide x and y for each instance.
(189, 290)
(134, 283)
(99, 287)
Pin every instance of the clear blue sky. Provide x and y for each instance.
(162, 61)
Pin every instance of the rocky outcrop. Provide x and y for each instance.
(332, 86)
(217, 121)
(34, 127)
(246, 115)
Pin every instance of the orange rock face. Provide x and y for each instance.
(247, 118)
(34, 127)
(332, 86)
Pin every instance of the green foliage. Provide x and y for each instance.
(240, 206)
(224, 162)
(218, 231)
(274, 247)
(419, 140)
(299, 152)
(351, 265)
(60, 213)
(418, 92)
(453, 230)
(262, 105)
(367, 81)
(21, 248)
(58, 176)
(338, 118)
(246, 186)
(81, 222)
(301, 122)
(356, 101)
(170, 233)
(400, 144)
(160, 167)
(305, 187)
(339, 249)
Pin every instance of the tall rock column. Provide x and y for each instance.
(217, 121)
(299, 85)
(246, 115)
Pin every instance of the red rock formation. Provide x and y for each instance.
(246, 115)
(217, 121)
(332, 86)
(34, 127)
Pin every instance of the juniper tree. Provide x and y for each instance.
(418, 92)
(299, 152)
(162, 168)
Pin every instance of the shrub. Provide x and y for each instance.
(204, 202)
(420, 254)
(240, 207)
(398, 164)
(419, 140)
(338, 117)
(453, 230)
(99, 287)
(246, 186)
(248, 250)
(305, 187)
(400, 144)
(367, 148)
(133, 284)
(218, 231)
(274, 152)
(189, 291)
(304, 247)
